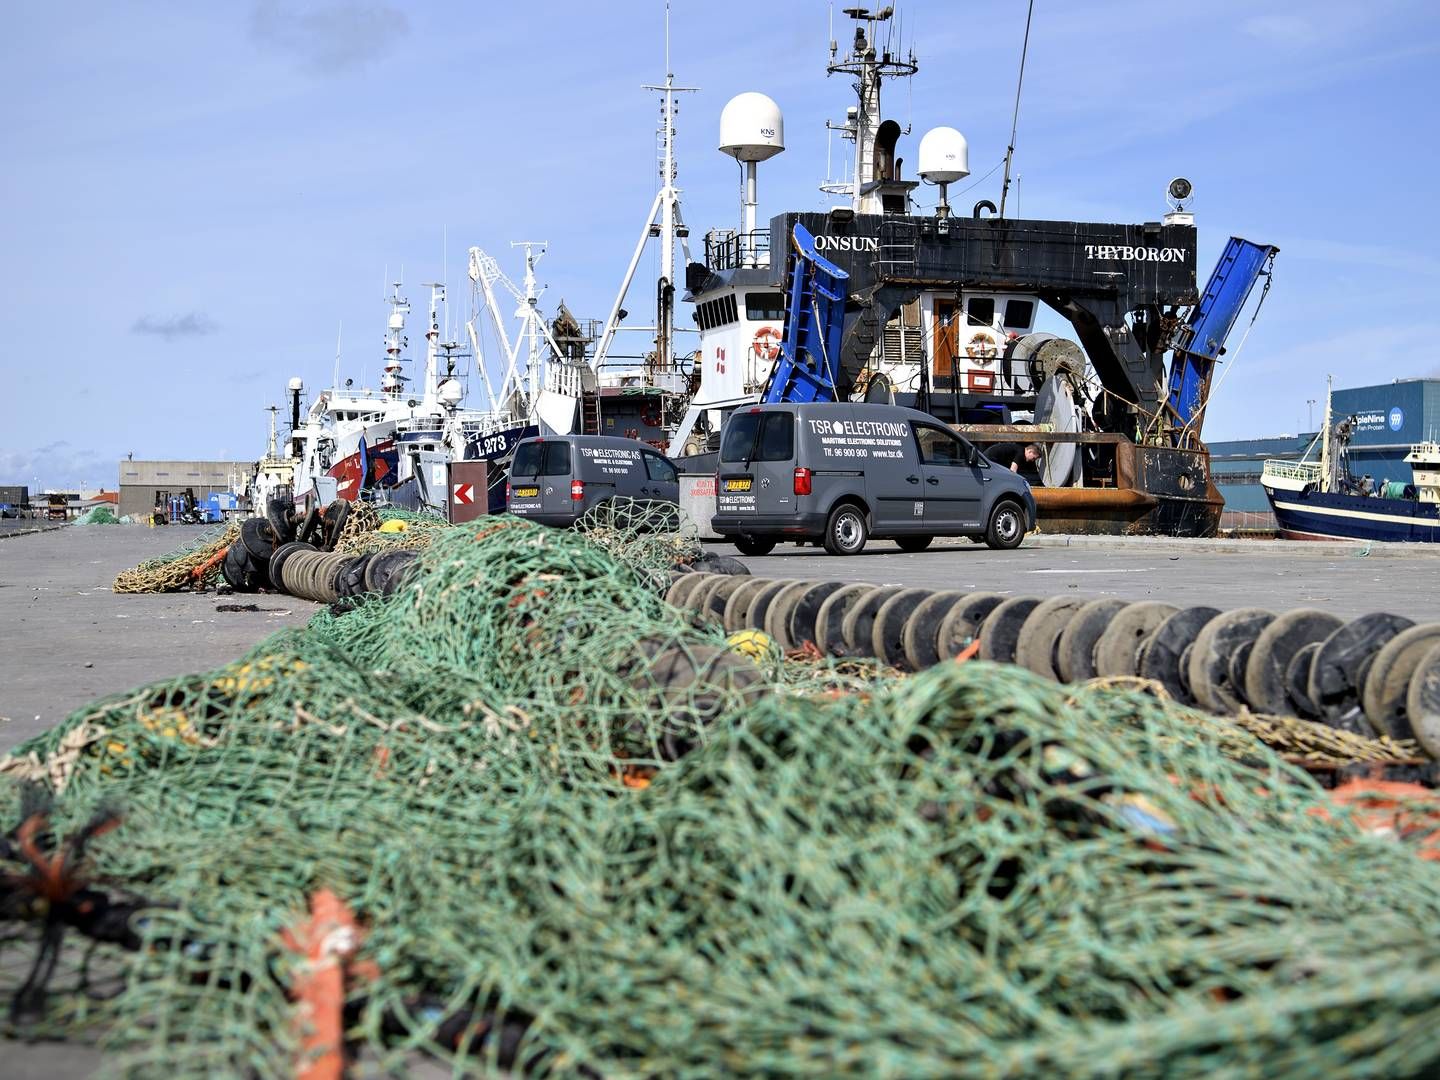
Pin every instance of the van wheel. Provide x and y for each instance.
(913, 543)
(754, 545)
(1007, 527)
(845, 533)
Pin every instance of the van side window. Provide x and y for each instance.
(940, 447)
(557, 459)
(777, 437)
(660, 469)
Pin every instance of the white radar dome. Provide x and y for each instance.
(450, 392)
(944, 156)
(296, 383)
(751, 128)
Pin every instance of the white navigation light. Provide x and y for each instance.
(751, 128)
(944, 156)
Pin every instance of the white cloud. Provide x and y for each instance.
(1284, 30)
(333, 38)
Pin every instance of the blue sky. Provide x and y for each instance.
(197, 195)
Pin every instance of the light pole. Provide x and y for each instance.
(1310, 407)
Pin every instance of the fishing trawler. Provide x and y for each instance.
(876, 299)
(1322, 500)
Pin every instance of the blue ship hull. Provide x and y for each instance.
(1311, 515)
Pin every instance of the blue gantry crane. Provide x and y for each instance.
(808, 366)
(1202, 339)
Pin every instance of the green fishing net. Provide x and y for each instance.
(583, 837)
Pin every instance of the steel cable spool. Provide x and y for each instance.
(1266, 671)
(1209, 670)
(800, 629)
(1337, 671)
(1384, 695)
(1037, 646)
(1422, 702)
(1000, 632)
(858, 629)
(1075, 651)
(887, 637)
(922, 628)
(961, 626)
(779, 610)
(1117, 650)
(830, 619)
(737, 605)
(1166, 653)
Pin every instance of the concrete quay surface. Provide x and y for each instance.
(68, 639)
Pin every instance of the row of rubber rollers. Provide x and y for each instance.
(294, 553)
(1375, 675)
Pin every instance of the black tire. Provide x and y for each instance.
(257, 539)
(277, 513)
(1007, 526)
(913, 543)
(754, 545)
(846, 531)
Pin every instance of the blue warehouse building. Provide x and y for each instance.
(1390, 418)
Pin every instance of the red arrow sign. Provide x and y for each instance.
(464, 494)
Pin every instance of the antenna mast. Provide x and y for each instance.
(668, 228)
(862, 123)
(1015, 118)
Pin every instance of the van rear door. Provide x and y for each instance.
(527, 484)
(952, 487)
(757, 463)
(555, 481)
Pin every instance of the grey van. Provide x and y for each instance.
(844, 473)
(555, 479)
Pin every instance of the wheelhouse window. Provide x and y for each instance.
(1019, 313)
(981, 310)
(765, 306)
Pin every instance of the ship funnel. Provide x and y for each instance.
(944, 158)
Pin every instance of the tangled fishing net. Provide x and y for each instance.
(98, 515)
(194, 563)
(579, 836)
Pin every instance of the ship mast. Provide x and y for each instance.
(1326, 478)
(391, 381)
(862, 122)
(431, 397)
(663, 222)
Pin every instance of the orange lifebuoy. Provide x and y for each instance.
(766, 344)
(983, 347)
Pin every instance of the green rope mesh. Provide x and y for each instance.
(569, 816)
(98, 515)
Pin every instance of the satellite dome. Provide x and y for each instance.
(751, 128)
(944, 156)
(296, 383)
(450, 392)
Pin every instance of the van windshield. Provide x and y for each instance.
(775, 432)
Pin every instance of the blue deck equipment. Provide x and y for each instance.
(814, 322)
(1202, 339)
